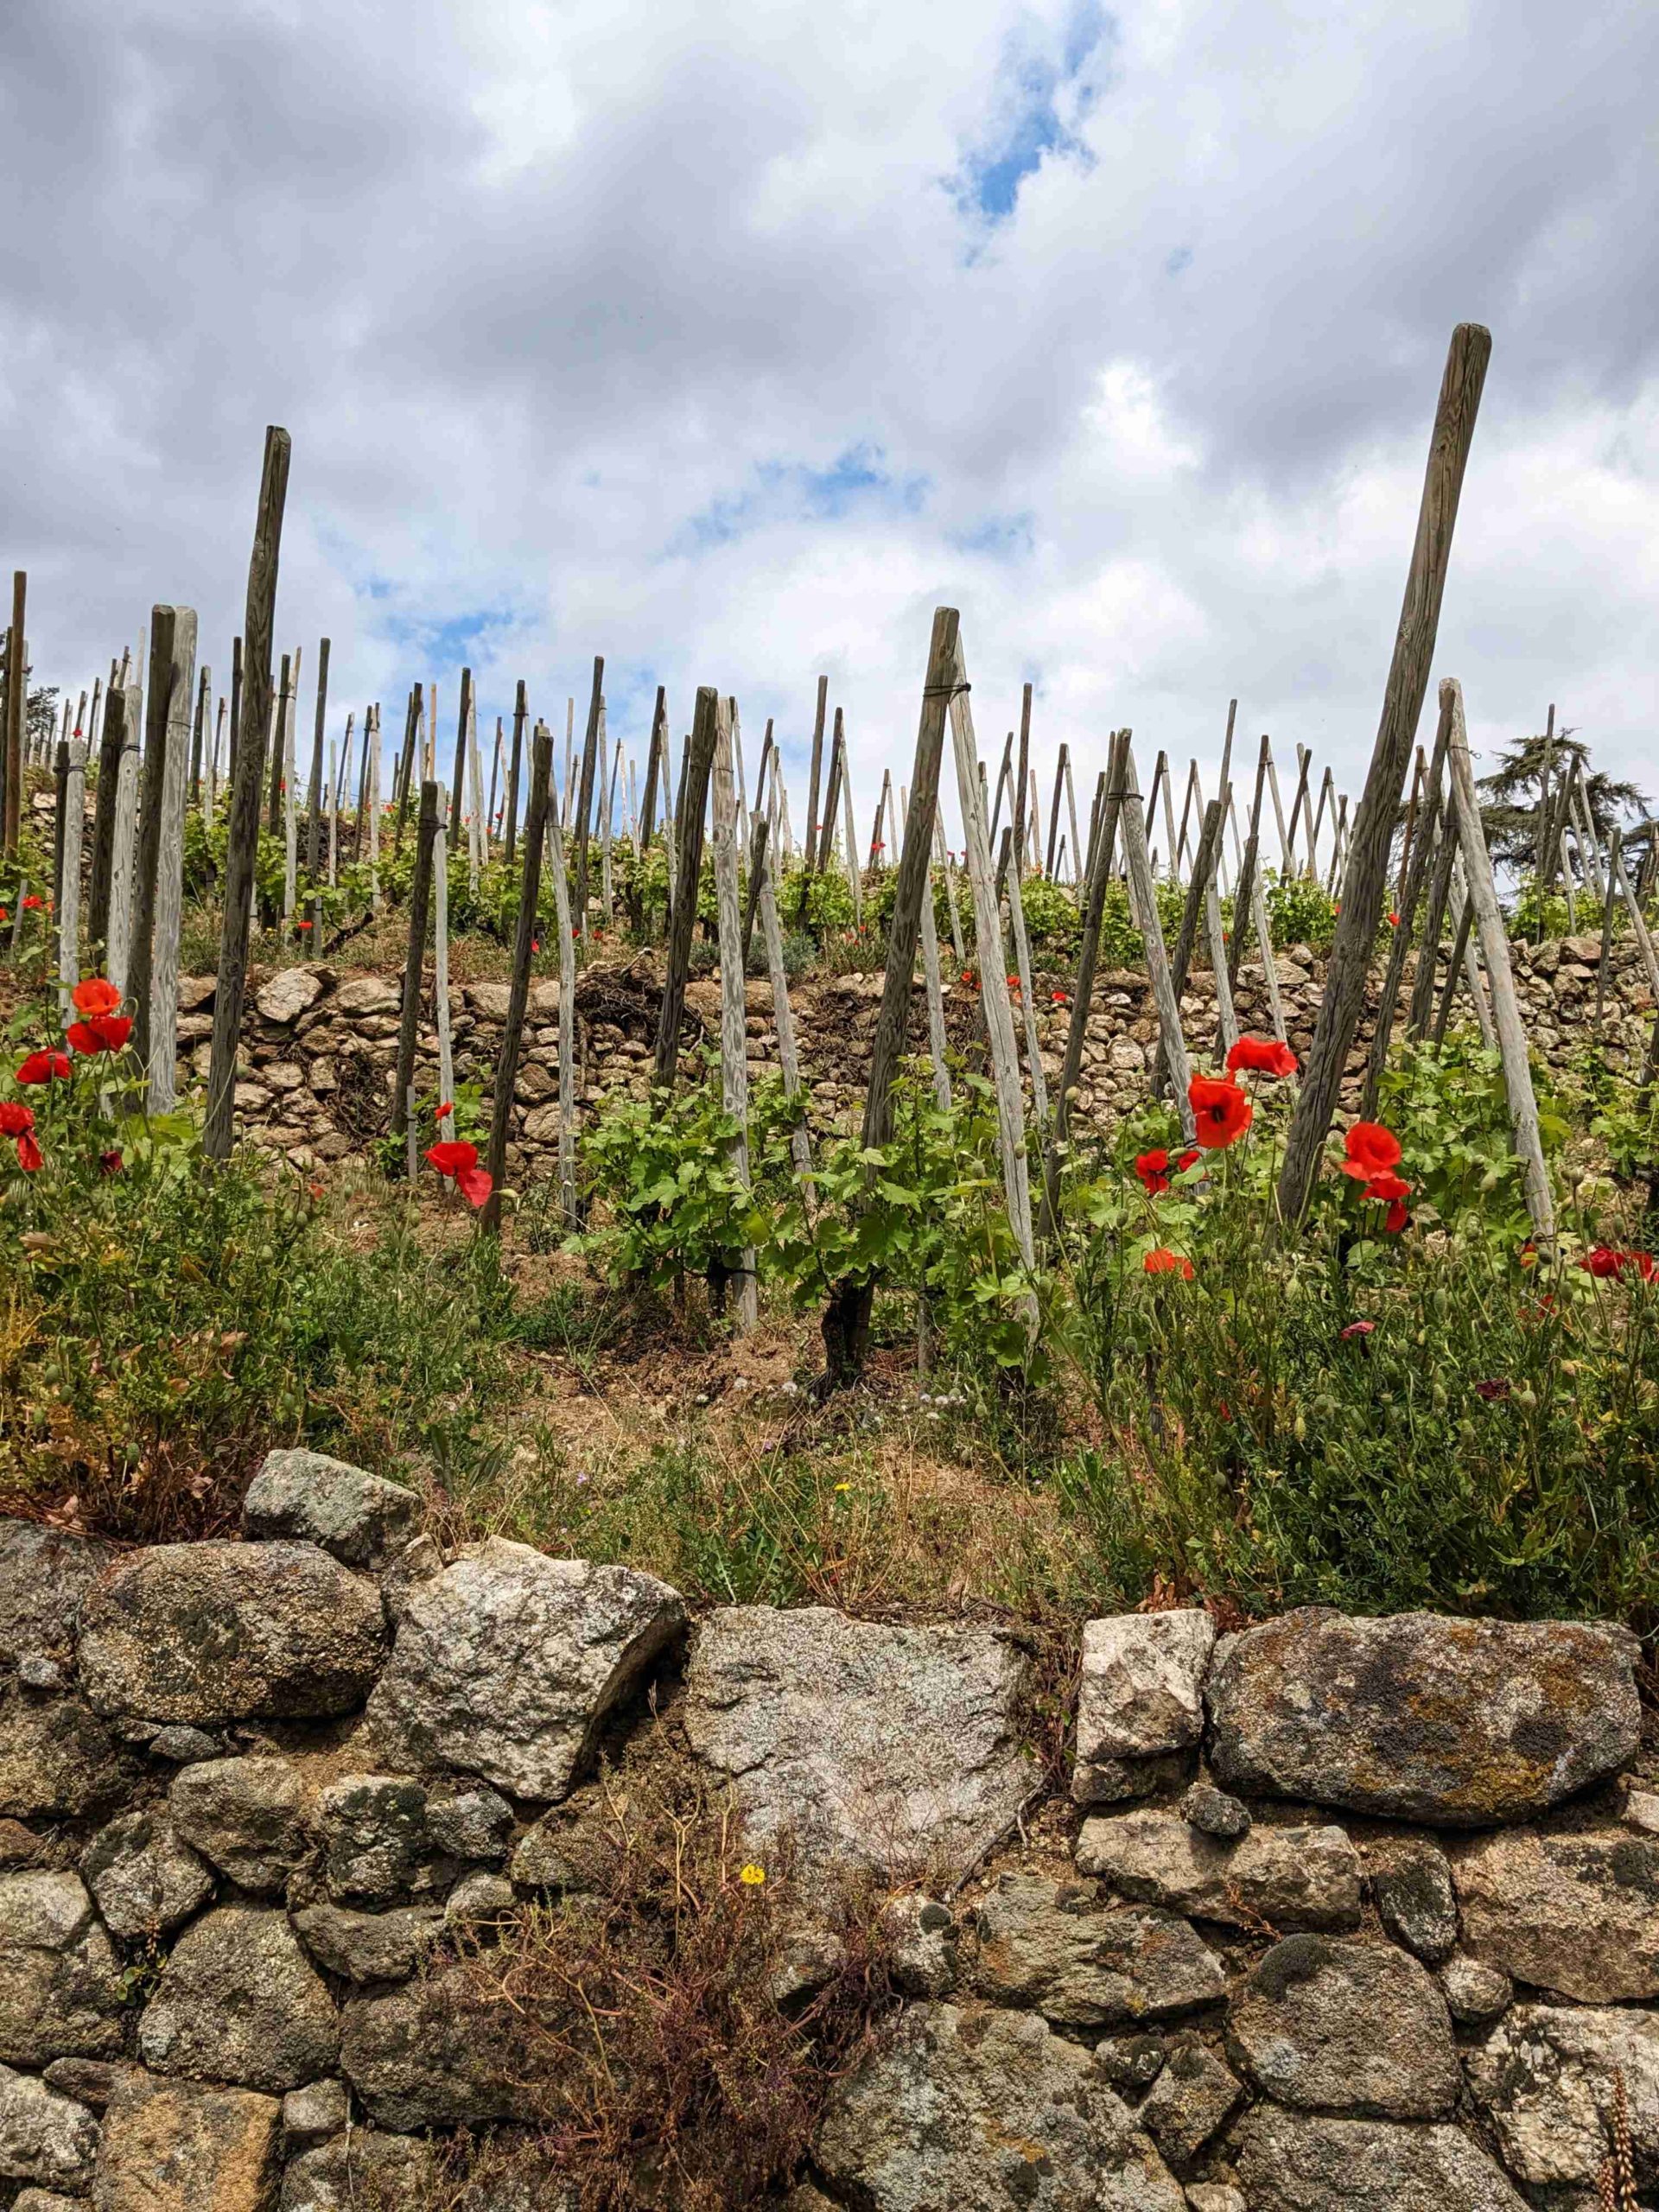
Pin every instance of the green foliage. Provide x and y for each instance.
(1533, 907)
(1299, 912)
(1051, 912)
(1447, 1104)
(1608, 1097)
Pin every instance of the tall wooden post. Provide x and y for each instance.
(734, 1025)
(530, 893)
(314, 797)
(420, 907)
(520, 711)
(16, 714)
(153, 973)
(694, 804)
(1367, 880)
(585, 796)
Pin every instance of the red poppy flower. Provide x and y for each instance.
(302, 926)
(109, 1163)
(1394, 921)
(43, 1067)
(447, 1108)
(1496, 1388)
(28, 1154)
(1221, 1110)
(1605, 1261)
(1396, 1218)
(15, 1117)
(1387, 1187)
(460, 1160)
(31, 902)
(1152, 1168)
(1358, 1329)
(4, 916)
(105, 1032)
(97, 995)
(1059, 998)
(1165, 1262)
(1371, 1149)
(1261, 1056)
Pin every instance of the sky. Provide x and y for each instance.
(730, 341)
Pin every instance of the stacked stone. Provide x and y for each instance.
(1356, 1913)
(320, 1051)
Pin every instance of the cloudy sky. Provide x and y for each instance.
(727, 341)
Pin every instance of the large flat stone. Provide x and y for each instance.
(1454, 1723)
(44, 2137)
(432, 2055)
(177, 2146)
(359, 2172)
(1050, 1947)
(58, 1761)
(1349, 2027)
(239, 2001)
(1546, 2080)
(1575, 1913)
(896, 1749)
(1141, 1695)
(44, 1575)
(1308, 2162)
(246, 1815)
(981, 2111)
(359, 1518)
(1290, 1877)
(506, 1663)
(144, 1878)
(222, 1631)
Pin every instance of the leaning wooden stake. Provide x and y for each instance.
(69, 917)
(154, 968)
(1022, 969)
(111, 743)
(520, 709)
(555, 843)
(524, 940)
(1204, 860)
(583, 816)
(1165, 994)
(733, 1022)
(1083, 986)
(1410, 892)
(11, 760)
(699, 761)
(243, 837)
(1367, 881)
(1494, 953)
(420, 902)
(782, 1013)
(125, 845)
(441, 954)
(314, 798)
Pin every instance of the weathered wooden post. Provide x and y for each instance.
(314, 798)
(555, 842)
(124, 842)
(68, 915)
(1186, 937)
(585, 799)
(694, 804)
(782, 1013)
(420, 904)
(1367, 880)
(154, 968)
(734, 1025)
(17, 714)
(524, 940)
(1410, 892)
(1166, 993)
(111, 743)
(810, 855)
(1083, 985)
(242, 839)
(440, 953)
(520, 712)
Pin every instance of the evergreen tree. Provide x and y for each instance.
(1513, 790)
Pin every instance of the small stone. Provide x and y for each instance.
(979, 2111)
(362, 2169)
(1052, 1949)
(183, 1745)
(43, 2136)
(364, 1947)
(377, 1847)
(1576, 1913)
(1547, 2080)
(288, 995)
(1347, 2027)
(1642, 1810)
(479, 1896)
(44, 1576)
(1215, 2197)
(239, 2001)
(210, 1632)
(58, 1760)
(419, 1561)
(46, 2200)
(181, 2146)
(1142, 1692)
(1212, 1812)
(369, 995)
(1132, 2063)
(19, 1847)
(1306, 2162)
(59, 1984)
(1475, 1995)
(1415, 1899)
(897, 1750)
(925, 1959)
(572, 1848)
(505, 1664)
(312, 2114)
(1273, 1878)
(1454, 1723)
(469, 1823)
(1193, 2100)
(94, 2082)
(37, 1671)
(144, 1879)
(361, 1519)
(246, 1815)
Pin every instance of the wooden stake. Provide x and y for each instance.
(585, 797)
(153, 967)
(1340, 1010)
(567, 929)
(733, 1024)
(16, 706)
(124, 842)
(782, 1014)
(1187, 936)
(520, 710)
(314, 798)
(111, 745)
(440, 953)
(693, 805)
(1082, 989)
(1172, 1045)
(420, 903)
(458, 788)
(68, 909)
(530, 891)
(1410, 892)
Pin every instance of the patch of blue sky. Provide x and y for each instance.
(1001, 537)
(858, 481)
(1042, 93)
(1181, 259)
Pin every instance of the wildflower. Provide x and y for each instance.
(32, 901)
(15, 1119)
(28, 1153)
(109, 1163)
(843, 1486)
(460, 1161)
(445, 1111)
(1261, 1056)
(1059, 998)
(1221, 1110)
(1387, 1187)
(1358, 1329)
(96, 994)
(105, 1032)
(1014, 982)
(43, 1067)
(752, 1875)
(1162, 1261)
(302, 926)
(314, 1190)
(1496, 1388)
(1371, 1149)
(1394, 921)
(1396, 1218)
(1154, 1169)
(1605, 1261)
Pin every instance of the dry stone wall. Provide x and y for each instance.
(1336, 1912)
(320, 1046)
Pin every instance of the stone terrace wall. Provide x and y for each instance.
(1340, 1913)
(319, 1047)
